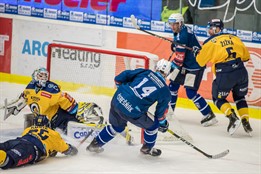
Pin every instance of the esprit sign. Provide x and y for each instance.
(240, 5)
(94, 4)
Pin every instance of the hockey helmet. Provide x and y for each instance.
(40, 76)
(215, 23)
(176, 18)
(41, 120)
(163, 66)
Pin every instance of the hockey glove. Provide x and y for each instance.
(164, 125)
(195, 50)
(53, 153)
(174, 66)
(71, 151)
(173, 47)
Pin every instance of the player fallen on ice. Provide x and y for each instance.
(37, 143)
(137, 91)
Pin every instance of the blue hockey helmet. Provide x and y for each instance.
(216, 23)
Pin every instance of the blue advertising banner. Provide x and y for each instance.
(107, 12)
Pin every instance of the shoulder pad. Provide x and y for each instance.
(52, 87)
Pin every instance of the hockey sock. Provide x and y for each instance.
(174, 94)
(226, 108)
(243, 113)
(107, 134)
(150, 137)
(201, 104)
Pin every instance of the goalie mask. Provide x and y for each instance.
(40, 77)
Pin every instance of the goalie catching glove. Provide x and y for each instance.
(16, 107)
(89, 112)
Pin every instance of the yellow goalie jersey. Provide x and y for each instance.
(47, 100)
(222, 48)
(45, 139)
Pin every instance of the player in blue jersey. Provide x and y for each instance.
(187, 71)
(137, 91)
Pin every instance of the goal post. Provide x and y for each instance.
(96, 66)
(87, 73)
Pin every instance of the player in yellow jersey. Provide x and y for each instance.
(37, 143)
(46, 98)
(227, 53)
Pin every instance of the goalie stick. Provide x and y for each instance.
(8, 113)
(220, 155)
(92, 130)
(134, 22)
(8, 104)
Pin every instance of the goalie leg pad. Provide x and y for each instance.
(89, 111)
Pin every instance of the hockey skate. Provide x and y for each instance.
(246, 126)
(209, 120)
(150, 151)
(95, 147)
(234, 123)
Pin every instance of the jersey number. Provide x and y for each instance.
(40, 133)
(146, 90)
(230, 53)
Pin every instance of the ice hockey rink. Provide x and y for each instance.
(118, 157)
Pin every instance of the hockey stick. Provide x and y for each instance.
(8, 104)
(8, 113)
(220, 155)
(92, 130)
(134, 22)
(170, 55)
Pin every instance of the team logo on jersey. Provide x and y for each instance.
(24, 161)
(222, 94)
(35, 108)
(44, 94)
(53, 86)
(35, 99)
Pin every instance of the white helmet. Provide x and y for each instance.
(163, 66)
(176, 18)
(40, 76)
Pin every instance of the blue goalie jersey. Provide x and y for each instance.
(138, 90)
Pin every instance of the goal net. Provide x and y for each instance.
(87, 73)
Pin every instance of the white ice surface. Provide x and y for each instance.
(178, 158)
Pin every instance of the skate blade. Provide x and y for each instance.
(210, 122)
(233, 130)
